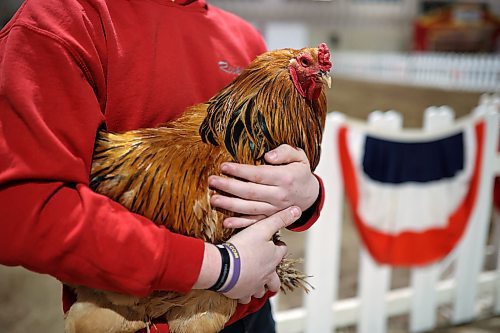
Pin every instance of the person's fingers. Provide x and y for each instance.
(274, 283)
(260, 293)
(245, 300)
(285, 154)
(242, 221)
(282, 219)
(260, 174)
(244, 189)
(242, 206)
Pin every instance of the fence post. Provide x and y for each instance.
(493, 101)
(424, 279)
(471, 252)
(324, 238)
(374, 279)
(496, 234)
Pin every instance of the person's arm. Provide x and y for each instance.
(51, 221)
(259, 191)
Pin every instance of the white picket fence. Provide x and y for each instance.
(441, 70)
(323, 312)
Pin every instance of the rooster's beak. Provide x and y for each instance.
(326, 79)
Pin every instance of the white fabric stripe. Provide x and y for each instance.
(411, 206)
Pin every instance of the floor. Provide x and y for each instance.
(490, 325)
(29, 302)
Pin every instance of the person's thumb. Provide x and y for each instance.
(279, 220)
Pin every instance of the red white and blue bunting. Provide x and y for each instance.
(411, 197)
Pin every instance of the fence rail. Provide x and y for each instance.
(323, 312)
(441, 70)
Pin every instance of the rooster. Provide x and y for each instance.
(278, 99)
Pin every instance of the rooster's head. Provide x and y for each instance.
(309, 71)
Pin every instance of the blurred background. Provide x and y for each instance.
(404, 55)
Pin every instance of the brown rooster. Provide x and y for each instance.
(162, 173)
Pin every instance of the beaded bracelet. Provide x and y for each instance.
(225, 268)
(236, 266)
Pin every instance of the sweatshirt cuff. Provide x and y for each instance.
(310, 215)
(183, 260)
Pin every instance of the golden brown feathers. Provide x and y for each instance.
(149, 170)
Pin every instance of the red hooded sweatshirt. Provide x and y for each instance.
(68, 67)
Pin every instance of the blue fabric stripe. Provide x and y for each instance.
(400, 162)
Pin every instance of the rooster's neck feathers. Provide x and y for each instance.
(262, 109)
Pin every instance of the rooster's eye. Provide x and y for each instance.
(305, 62)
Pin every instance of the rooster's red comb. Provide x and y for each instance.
(324, 57)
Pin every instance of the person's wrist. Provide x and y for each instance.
(315, 194)
(235, 267)
(225, 270)
(210, 267)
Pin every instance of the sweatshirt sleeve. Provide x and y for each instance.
(51, 221)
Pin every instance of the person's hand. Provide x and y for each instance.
(260, 256)
(260, 191)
